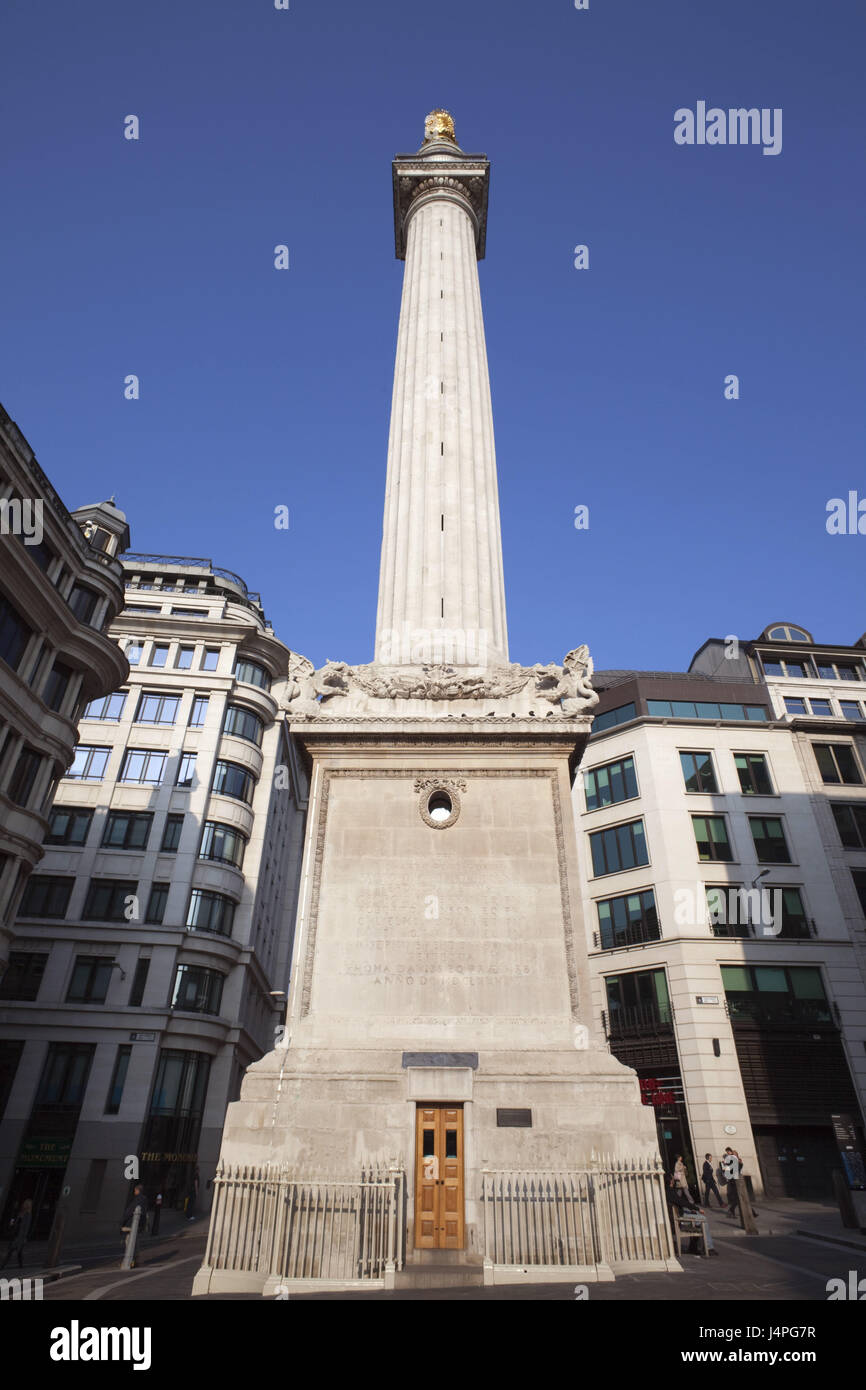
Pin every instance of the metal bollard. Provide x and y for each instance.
(129, 1252)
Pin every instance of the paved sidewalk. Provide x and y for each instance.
(80, 1255)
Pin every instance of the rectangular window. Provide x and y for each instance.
(703, 709)
(143, 765)
(859, 877)
(769, 837)
(64, 1076)
(110, 899)
(210, 912)
(159, 654)
(850, 823)
(795, 706)
(157, 903)
(242, 723)
(851, 709)
(88, 764)
(23, 778)
(230, 779)
(46, 896)
(790, 668)
(56, 685)
(610, 783)
(90, 980)
(628, 920)
(134, 651)
(189, 612)
(154, 708)
(795, 924)
(107, 707)
(611, 717)
(620, 847)
(836, 762)
(82, 602)
(197, 990)
(198, 713)
(711, 835)
(171, 834)
(224, 844)
(14, 634)
(68, 825)
(820, 707)
(186, 770)
(753, 774)
(698, 772)
(184, 658)
(210, 659)
(23, 975)
(127, 829)
(118, 1080)
(139, 980)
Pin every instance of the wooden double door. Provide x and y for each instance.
(439, 1199)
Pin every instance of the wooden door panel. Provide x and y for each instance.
(439, 1196)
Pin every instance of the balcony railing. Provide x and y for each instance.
(781, 1011)
(640, 1021)
(636, 934)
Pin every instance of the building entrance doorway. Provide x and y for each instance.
(439, 1198)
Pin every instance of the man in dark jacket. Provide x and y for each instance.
(20, 1233)
(682, 1205)
(709, 1181)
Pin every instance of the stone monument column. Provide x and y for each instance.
(441, 588)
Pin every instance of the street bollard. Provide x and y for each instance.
(56, 1238)
(157, 1211)
(129, 1253)
(744, 1206)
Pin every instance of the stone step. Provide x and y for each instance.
(442, 1257)
(440, 1276)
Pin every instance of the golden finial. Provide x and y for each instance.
(439, 125)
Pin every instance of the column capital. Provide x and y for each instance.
(440, 169)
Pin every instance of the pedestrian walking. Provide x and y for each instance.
(136, 1203)
(20, 1233)
(709, 1180)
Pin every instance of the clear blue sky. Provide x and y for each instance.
(261, 388)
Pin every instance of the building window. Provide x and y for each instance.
(23, 975)
(64, 1076)
(242, 723)
(851, 824)
(111, 900)
(186, 770)
(24, 776)
(88, 764)
(821, 708)
(154, 708)
(620, 847)
(46, 895)
(56, 685)
(198, 713)
(118, 1079)
(795, 706)
(127, 829)
(753, 773)
(788, 668)
(698, 772)
(159, 654)
(143, 765)
(840, 671)
(134, 651)
(189, 612)
(795, 924)
(252, 674)
(610, 783)
(230, 779)
(82, 602)
(859, 877)
(210, 659)
(628, 920)
(638, 1003)
(184, 658)
(157, 903)
(703, 709)
(90, 980)
(784, 632)
(68, 825)
(711, 834)
(210, 912)
(772, 994)
(139, 980)
(197, 990)
(222, 843)
(14, 634)
(611, 717)
(836, 762)
(171, 834)
(108, 707)
(851, 709)
(769, 836)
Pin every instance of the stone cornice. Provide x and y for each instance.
(438, 171)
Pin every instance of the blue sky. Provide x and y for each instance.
(262, 388)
